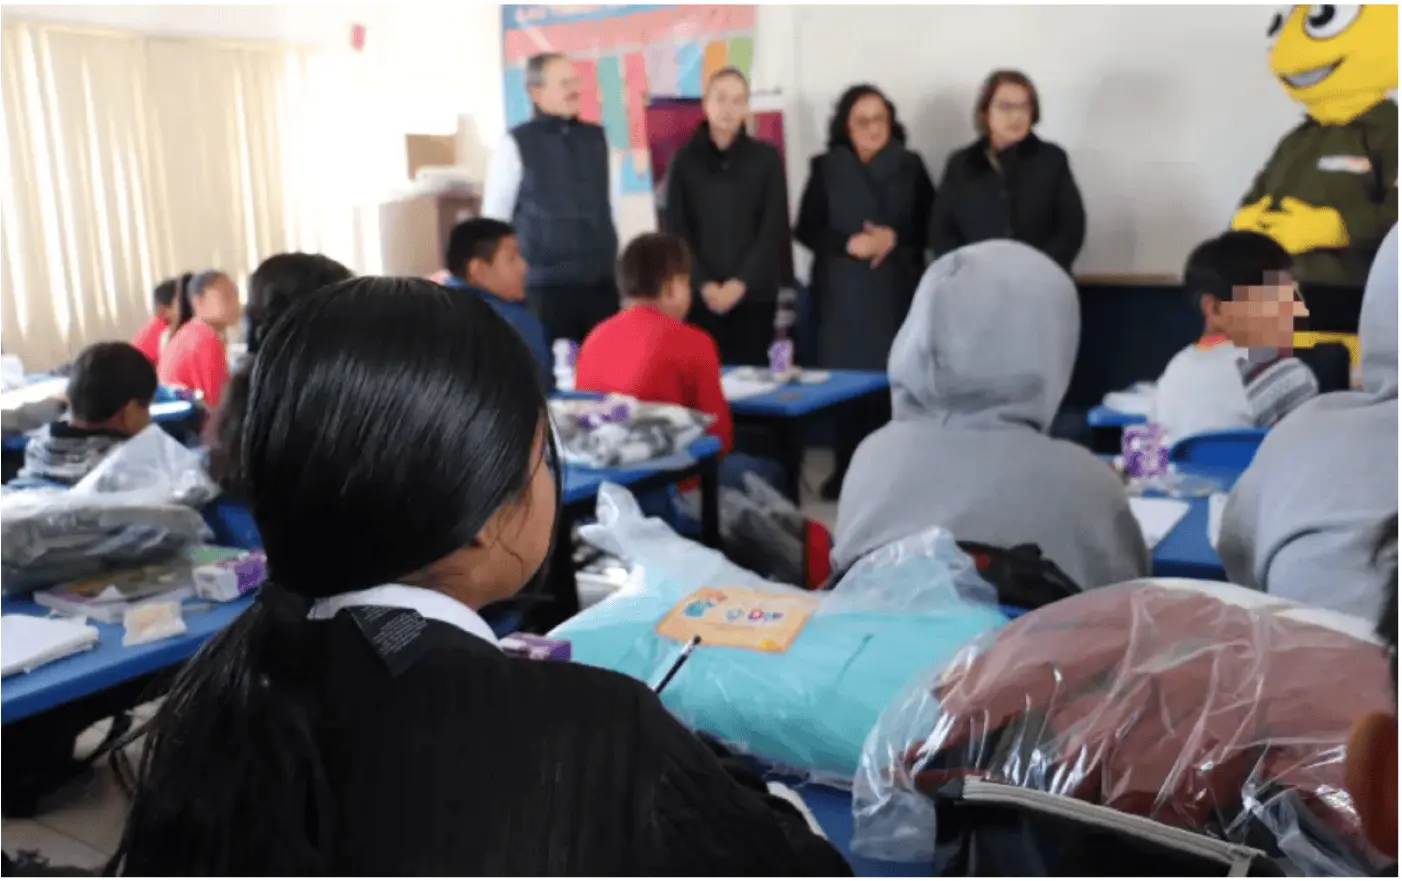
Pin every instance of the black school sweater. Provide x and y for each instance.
(470, 762)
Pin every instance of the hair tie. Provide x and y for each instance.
(286, 602)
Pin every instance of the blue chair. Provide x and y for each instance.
(1234, 448)
(232, 524)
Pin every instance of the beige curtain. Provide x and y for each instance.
(129, 159)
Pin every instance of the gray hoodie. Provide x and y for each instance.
(1304, 520)
(977, 373)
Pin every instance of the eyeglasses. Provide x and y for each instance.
(873, 121)
(1012, 107)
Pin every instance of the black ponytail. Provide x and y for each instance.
(387, 420)
(186, 306)
(239, 706)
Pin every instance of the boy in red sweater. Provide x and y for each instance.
(648, 350)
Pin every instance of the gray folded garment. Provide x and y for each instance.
(633, 432)
(48, 545)
(29, 416)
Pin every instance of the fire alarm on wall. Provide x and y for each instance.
(357, 37)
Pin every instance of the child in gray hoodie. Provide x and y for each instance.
(1302, 521)
(978, 370)
(110, 391)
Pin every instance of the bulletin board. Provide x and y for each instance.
(623, 54)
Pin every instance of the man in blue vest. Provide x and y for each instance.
(550, 180)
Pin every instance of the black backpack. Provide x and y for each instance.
(1023, 577)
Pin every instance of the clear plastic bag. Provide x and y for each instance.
(760, 529)
(133, 509)
(31, 405)
(796, 678)
(1206, 707)
(619, 432)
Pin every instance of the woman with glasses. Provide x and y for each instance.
(864, 215)
(1009, 184)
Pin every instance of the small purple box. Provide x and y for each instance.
(536, 648)
(228, 580)
(781, 357)
(1145, 451)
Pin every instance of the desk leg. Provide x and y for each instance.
(789, 434)
(710, 502)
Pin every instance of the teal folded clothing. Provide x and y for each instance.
(793, 678)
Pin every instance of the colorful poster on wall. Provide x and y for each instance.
(624, 54)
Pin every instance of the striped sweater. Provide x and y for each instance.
(1213, 385)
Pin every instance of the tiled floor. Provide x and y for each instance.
(84, 834)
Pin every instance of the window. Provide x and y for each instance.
(128, 159)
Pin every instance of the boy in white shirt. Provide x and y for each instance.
(1241, 373)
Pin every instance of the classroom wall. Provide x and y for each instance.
(1167, 111)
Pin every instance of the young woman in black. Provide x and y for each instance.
(359, 718)
(727, 199)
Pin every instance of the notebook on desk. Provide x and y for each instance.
(1157, 517)
(27, 641)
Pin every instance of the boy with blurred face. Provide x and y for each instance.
(1241, 373)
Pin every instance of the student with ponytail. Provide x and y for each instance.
(359, 718)
(196, 358)
(184, 309)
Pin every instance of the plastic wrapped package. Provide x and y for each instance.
(793, 678)
(618, 431)
(133, 509)
(1205, 707)
(760, 529)
(31, 405)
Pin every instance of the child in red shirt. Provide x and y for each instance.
(195, 358)
(648, 351)
(148, 339)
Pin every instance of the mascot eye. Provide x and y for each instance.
(1325, 22)
(1277, 22)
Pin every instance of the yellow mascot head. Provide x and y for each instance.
(1338, 61)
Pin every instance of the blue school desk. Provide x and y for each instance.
(1101, 416)
(105, 665)
(1185, 552)
(798, 400)
(784, 412)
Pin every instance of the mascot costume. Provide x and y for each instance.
(1328, 194)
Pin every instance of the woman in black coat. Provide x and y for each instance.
(1009, 184)
(726, 198)
(864, 215)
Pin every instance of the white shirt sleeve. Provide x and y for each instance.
(503, 181)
